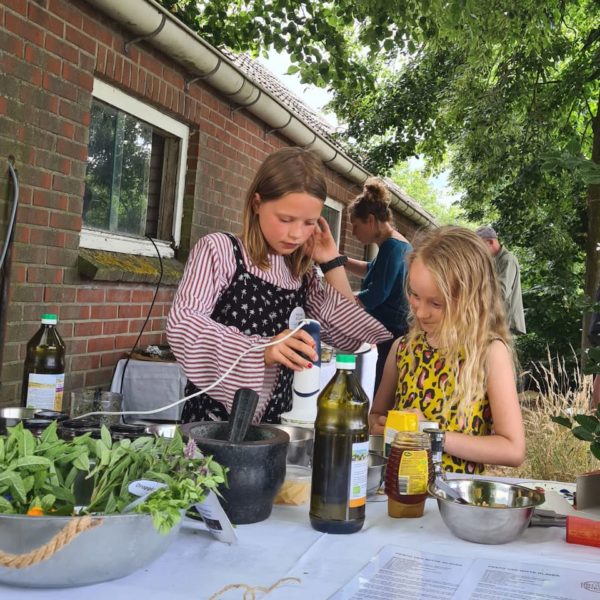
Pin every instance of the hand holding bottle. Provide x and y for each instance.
(289, 352)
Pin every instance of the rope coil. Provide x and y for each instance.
(65, 536)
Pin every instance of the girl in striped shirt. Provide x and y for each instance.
(238, 292)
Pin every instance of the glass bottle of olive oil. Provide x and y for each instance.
(341, 453)
(44, 372)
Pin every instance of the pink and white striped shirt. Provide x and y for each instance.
(206, 349)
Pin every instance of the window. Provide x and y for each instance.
(135, 175)
(332, 213)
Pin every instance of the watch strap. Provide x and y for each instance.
(338, 261)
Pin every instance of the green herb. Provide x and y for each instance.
(584, 427)
(57, 475)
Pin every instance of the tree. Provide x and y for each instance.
(507, 92)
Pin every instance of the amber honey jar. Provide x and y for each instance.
(408, 473)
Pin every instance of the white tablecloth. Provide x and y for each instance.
(285, 545)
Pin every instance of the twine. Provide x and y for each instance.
(250, 591)
(65, 536)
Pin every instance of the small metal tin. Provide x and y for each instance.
(37, 426)
(124, 431)
(73, 428)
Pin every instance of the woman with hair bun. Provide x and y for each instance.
(382, 291)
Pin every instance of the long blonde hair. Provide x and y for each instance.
(283, 172)
(473, 315)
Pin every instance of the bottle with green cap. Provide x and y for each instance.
(341, 453)
(44, 372)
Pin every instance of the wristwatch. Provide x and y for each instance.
(338, 261)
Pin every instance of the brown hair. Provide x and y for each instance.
(374, 200)
(285, 171)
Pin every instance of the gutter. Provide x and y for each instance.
(150, 22)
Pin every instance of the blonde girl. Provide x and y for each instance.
(240, 291)
(455, 365)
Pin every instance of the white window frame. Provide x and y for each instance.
(338, 207)
(116, 242)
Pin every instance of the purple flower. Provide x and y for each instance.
(191, 450)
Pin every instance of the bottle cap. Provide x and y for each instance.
(49, 319)
(345, 361)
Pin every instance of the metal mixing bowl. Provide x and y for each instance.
(375, 473)
(496, 512)
(301, 444)
(12, 415)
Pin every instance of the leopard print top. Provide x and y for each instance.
(427, 386)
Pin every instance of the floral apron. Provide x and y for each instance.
(255, 307)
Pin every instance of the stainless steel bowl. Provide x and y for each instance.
(375, 473)
(10, 416)
(496, 512)
(301, 445)
(120, 545)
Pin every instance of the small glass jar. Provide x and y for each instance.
(37, 426)
(408, 473)
(73, 428)
(125, 431)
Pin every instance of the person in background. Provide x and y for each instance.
(594, 337)
(509, 273)
(382, 290)
(238, 292)
(455, 365)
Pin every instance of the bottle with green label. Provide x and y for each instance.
(44, 373)
(341, 453)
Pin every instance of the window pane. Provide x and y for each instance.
(332, 217)
(116, 195)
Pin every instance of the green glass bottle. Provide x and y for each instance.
(44, 372)
(341, 453)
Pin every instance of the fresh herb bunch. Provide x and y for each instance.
(584, 427)
(57, 475)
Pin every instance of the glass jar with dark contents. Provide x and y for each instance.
(408, 473)
(37, 426)
(125, 431)
(73, 428)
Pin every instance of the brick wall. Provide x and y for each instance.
(50, 53)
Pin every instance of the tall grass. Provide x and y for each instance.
(553, 453)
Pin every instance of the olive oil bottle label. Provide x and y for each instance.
(45, 390)
(413, 472)
(358, 474)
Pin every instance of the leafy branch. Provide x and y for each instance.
(584, 427)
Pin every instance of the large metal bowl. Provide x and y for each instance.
(496, 512)
(376, 472)
(301, 445)
(10, 416)
(120, 545)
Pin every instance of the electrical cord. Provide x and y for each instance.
(147, 316)
(255, 348)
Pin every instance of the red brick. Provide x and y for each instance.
(135, 326)
(33, 215)
(90, 328)
(72, 149)
(62, 294)
(130, 311)
(74, 312)
(66, 11)
(61, 257)
(17, 5)
(43, 18)
(76, 346)
(100, 377)
(111, 358)
(21, 69)
(114, 327)
(61, 48)
(90, 295)
(69, 185)
(142, 295)
(24, 29)
(125, 341)
(2, 105)
(86, 362)
(44, 275)
(118, 295)
(104, 312)
(81, 40)
(100, 344)
(65, 221)
(77, 76)
(59, 87)
(12, 44)
(47, 237)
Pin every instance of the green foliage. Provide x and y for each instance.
(416, 184)
(584, 427)
(507, 91)
(56, 475)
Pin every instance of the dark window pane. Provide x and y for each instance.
(332, 217)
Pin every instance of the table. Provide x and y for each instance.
(197, 566)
